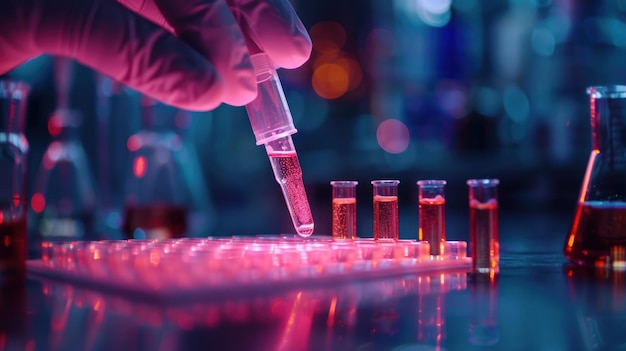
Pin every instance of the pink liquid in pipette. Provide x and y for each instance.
(287, 169)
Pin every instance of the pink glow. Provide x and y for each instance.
(393, 136)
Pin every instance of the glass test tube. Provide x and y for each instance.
(385, 210)
(432, 215)
(484, 242)
(344, 209)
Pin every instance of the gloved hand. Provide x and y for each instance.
(188, 53)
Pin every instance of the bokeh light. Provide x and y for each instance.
(52, 155)
(140, 165)
(133, 143)
(55, 124)
(381, 42)
(516, 104)
(393, 136)
(38, 202)
(330, 80)
(543, 41)
(327, 36)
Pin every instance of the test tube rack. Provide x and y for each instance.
(190, 268)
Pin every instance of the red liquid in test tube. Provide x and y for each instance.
(287, 168)
(385, 217)
(484, 234)
(432, 222)
(432, 215)
(385, 210)
(344, 209)
(484, 242)
(344, 218)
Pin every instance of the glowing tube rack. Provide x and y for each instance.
(201, 267)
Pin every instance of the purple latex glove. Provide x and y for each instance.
(187, 53)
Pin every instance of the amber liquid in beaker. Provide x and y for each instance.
(385, 217)
(344, 218)
(13, 246)
(597, 226)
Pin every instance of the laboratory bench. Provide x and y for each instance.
(537, 301)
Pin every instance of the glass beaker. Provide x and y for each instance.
(13, 161)
(598, 232)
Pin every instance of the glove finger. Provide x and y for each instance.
(106, 36)
(210, 28)
(276, 28)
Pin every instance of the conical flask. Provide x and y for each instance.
(598, 232)
(165, 192)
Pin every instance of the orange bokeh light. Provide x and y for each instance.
(140, 164)
(355, 76)
(327, 36)
(330, 80)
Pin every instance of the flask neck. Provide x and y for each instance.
(608, 123)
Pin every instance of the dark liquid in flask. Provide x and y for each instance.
(13, 247)
(156, 221)
(596, 227)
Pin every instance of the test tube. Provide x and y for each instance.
(344, 209)
(385, 210)
(484, 242)
(432, 215)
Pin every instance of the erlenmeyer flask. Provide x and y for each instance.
(159, 196)
(598, 232)
(63, 197)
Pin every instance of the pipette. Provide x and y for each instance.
(271, 122)
(273, 126)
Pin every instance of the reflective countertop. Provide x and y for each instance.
(536, 302)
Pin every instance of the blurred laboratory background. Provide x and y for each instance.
(394, 89)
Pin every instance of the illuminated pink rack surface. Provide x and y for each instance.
(201, 267)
